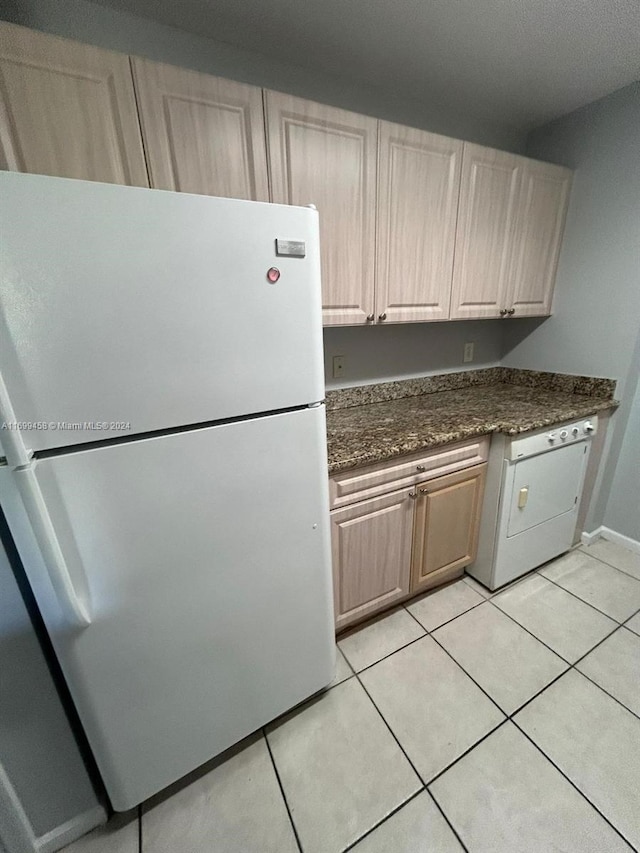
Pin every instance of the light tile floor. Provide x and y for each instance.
(465, 721)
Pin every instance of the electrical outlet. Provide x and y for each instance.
(468, 351)
(338, 366)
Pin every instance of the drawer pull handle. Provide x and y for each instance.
(421, 468)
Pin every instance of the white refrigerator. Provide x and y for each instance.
(164, 474)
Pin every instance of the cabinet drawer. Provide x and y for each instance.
(372, 480)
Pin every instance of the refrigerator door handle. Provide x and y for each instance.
(12, 443)
(75, 609)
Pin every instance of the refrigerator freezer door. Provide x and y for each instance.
(136, 310)
(204, 558)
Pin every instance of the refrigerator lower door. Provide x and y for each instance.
(203, 559)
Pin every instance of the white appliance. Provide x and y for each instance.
(165, 481)
(532, 498)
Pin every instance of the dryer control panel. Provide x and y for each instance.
(551, 438)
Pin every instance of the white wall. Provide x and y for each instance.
(379, 353)
(596, 311)
(110, 28)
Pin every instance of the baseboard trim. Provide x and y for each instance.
(603, 532)
(70, 831)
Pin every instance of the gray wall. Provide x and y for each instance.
(37, 747)
(596, 311)
(379, 353)
(622, 512)
(121, 31)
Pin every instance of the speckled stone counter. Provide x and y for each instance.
(408, 419)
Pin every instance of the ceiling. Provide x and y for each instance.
(517, 62)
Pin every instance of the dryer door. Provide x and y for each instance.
(551, 483)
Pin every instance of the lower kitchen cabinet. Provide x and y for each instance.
(371, 552)
(447, 520)
(388, 547)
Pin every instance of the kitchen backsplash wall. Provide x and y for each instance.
(117, 30)
(382, 353)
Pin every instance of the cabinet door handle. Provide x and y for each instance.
(511, 312)
(421, 469)
(424, 491)
(382, 317)
(413, 495)
(371, 318)
(503, 312)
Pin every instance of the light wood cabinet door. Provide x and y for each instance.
(327, 157)
(67, 109)
(447, 524)
(418, 186)
(542, 209)
(486, 232)
(371, 552)
(202, 134)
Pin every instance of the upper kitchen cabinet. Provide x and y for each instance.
(544, 198)
(510, 223)
(327, 157)
(67, 109)
(486, 232)
(202, 134)
(418, 185)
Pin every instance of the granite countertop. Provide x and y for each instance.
(376, 431)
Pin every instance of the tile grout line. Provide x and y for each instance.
(357, 672)
(280, 785)
(610, 695)
(423, 784)
(405, 606)
(588, 603)
(453, 618)
(570, 665)
(600, 560)
(384, 820)
(535, 637)
(467, 751)
(551, 649)
(507, 717)
(479, 686)
(446, 818)
(572, 783)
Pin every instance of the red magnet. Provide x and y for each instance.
(273, 275)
